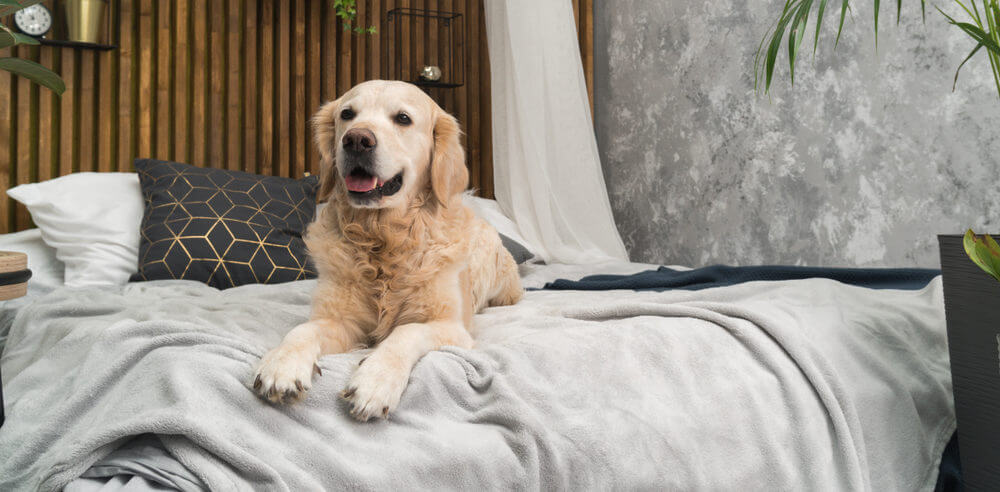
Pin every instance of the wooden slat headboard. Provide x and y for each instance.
(224, 83)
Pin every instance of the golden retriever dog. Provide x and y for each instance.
(402, 263)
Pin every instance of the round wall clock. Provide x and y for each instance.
(35, 20)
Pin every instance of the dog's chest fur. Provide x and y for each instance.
(386, 277)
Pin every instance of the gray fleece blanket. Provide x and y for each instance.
(800, 385)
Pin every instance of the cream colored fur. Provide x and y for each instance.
(406, 273)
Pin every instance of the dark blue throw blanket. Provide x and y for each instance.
(665, 278)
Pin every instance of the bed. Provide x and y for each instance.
(613, 382)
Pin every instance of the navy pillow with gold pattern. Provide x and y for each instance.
(223, 228)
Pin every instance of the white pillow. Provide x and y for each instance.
(92, 220)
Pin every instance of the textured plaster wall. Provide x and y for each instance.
(862, 162)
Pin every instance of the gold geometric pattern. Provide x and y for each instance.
(224, 228)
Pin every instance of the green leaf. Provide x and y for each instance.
(876, 23)
(843, 13)
(9, 38)
(8, 7)
(960, 65)
(981, 36)
(775, 45)
(24, 39)
(819, 22)
(984, 252)
(795, 35)
(34, 72)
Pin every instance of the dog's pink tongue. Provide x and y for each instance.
(359, 184)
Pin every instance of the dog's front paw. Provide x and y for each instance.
(284, 376)
(376, 386)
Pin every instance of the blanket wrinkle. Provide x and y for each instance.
(478, 370)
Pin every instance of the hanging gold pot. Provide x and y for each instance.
(84, 19)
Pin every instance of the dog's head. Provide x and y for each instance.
(385, 143)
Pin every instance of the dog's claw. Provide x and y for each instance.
(362, 361)
(385, 412)
(298, 385)
(348, 392)
(256, 383)
(317, 370)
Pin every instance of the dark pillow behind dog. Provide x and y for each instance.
(520, 253)
(223, 228)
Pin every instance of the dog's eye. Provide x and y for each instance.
(403, 119)
(347, 114)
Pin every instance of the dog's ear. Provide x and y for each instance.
(449, 176)
(324, 125)
(327, 179)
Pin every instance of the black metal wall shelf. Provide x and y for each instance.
(62, 43)
(418, 38)
(427, 83)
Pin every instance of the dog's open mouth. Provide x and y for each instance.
(361, 184)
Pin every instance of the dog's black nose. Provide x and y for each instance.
(359, 140)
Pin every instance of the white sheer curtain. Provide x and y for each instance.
(547, 172)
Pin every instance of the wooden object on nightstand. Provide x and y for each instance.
(14, 275)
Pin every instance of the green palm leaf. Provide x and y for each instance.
(33, 72)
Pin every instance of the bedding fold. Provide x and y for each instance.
(795, 385)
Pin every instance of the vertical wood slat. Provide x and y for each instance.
(284, 74)
(26, 120)
(105, 111)
(87, 114)
(486, 128)
(266, 99)
(182, 79)
(249, 91)
(163, 119)
(147, 71)
(217, 85)
(234, 142)
(7, 132)
(126, 102)
(47, 122)
(298, 107)
(230, 83)
(69, 138)
(314, 89)
(199, 83)
(470, 105)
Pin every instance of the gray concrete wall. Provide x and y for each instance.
(862, 162)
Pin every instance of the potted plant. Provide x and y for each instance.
(971, 297)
